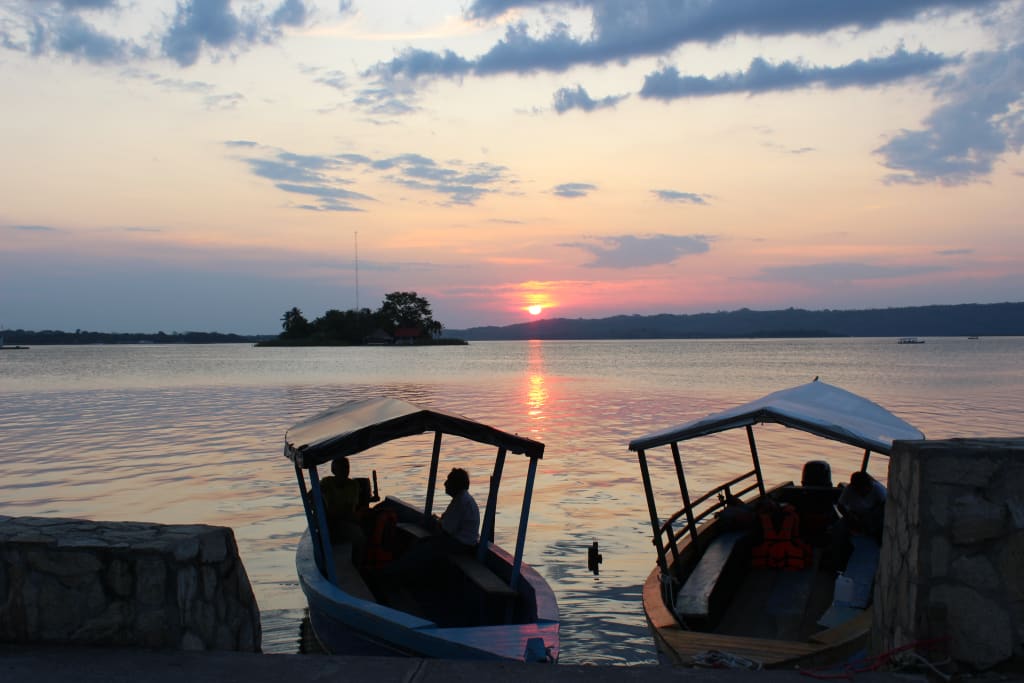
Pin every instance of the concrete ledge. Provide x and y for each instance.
(88, 665)
(124, 584)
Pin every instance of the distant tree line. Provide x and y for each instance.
(403, 318)
(45, 337)
(1002, 319)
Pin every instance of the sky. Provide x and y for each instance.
(207, 165)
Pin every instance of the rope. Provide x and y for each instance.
(866, 664)
(715, 659)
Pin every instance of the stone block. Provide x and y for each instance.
(124, 583)
(1010, 562)
(976, 520)
(976, 572)
(981, 632)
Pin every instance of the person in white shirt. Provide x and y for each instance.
(461, 520)
(456, 531)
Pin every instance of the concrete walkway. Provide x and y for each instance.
(50, 664)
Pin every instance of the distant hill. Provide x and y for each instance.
(84, 337)
(960, 320)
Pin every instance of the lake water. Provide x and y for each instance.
(194, 434)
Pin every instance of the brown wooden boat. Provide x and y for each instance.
(715, 597)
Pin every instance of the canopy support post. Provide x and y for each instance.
(435, 456)
(685, 491)
(316, 520)
(864, 463)
(517, 563)
(757, 462)
(645, 474)
(491, 509)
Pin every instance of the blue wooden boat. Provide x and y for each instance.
(488, 606)
(709, 600)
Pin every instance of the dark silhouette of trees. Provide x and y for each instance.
(295, 324)
(403, 316)
(408, 310)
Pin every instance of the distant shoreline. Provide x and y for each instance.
(955, 320)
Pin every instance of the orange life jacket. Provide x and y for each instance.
(379, 544)
(781, 547)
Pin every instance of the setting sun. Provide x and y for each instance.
(535, 309)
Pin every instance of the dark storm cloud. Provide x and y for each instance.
(679, 197)
(761, 77)
(630, 251)
(981, 119)
(572, 190)
(455, 182)
(567, 99)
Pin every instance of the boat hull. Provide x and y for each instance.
(679, 646)
(346, 624)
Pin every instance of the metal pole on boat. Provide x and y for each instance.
(649, 492)
(311, 523)
(435, 456)
(685, 491)
(757, 462)
(325, 536)
(490, 511)
(864, 463)
(523, 519)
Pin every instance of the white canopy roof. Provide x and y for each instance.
(816, 407)
(356, 426)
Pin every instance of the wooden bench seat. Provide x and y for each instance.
(349, 578)
(482, 577)
(694, 600)
(860, 570)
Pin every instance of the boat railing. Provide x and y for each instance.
(688, 520)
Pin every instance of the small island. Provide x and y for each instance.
(404, 318)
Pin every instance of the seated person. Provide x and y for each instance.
(342, 505)
(456, 531)
(862, 509)
(460, 522)
(863, 504)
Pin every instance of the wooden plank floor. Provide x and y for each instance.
(768, 652)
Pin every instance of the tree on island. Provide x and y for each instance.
(403, 316)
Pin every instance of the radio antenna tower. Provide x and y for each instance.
(356, 238)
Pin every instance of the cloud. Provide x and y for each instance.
(679, 197)
(840, 272)
(572, 190)
(622, 31)
(762, 76)
(211, 24)
(955, 252)
(290, 13)
(318, 176)
(34, 228)
(981, 119)
(57, 28)
(629, 251)
(578, 98)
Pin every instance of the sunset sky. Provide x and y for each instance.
(208, 164)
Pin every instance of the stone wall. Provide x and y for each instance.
(124, 584)
(952, 561)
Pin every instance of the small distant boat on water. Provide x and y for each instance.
(4, 347)
(910, 340)
(487, 605)
(714, 593)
